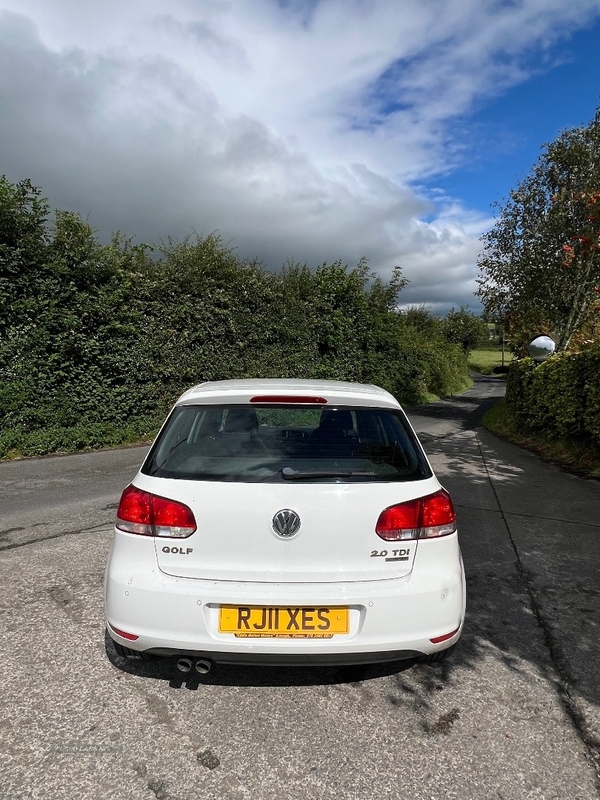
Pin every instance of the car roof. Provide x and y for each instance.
(241, 391)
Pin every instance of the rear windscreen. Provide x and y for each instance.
(286, 443)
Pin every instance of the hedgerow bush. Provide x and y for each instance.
(97, 341)
(54, 439)
(559, 397)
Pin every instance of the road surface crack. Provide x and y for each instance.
(75, 532)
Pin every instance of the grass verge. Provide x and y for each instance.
(488, 360)
(575, 456)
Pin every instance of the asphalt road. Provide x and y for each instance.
(515, 714)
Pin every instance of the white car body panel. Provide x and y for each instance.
(235, 539)
(180, 613)
(240, 391)
(167, 591)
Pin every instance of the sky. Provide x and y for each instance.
(305, 130)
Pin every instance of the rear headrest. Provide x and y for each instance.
(333, 420)
(241, 420)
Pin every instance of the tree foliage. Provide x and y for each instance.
(465, 329)
(98, 340)
(540, 268)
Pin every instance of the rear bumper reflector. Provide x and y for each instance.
(131, 636)
(444, 638)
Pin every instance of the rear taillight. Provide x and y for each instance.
(423, 518)
(149, 515)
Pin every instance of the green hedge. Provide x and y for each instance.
(55, 439)
(559, 397)
(98, 340)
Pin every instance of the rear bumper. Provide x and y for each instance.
(287, 659)
(390, 619)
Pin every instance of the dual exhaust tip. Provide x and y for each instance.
(201, 665)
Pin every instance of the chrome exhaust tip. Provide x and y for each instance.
(184, 664)
(203, 666)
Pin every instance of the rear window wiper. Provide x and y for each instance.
(166, 458)
(291, 474)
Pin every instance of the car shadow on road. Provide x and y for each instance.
(165, 669)
(531, 548)
(501, 630)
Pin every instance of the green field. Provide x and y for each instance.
(484, 359)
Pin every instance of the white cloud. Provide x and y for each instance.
(294, 128)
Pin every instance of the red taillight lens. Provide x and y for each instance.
(400, 522)
(149, 515)
(135, 508)
(438, 513)
(423, 518)
(170, 516)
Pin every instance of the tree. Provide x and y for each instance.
(422, 319)
(24, 240)
(465, 329)
(540, 267)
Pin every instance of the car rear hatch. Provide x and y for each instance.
(331, 469)
(236, 539)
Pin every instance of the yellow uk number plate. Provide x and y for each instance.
(281, 622)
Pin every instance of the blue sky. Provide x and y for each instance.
(505, 134)
(309, 130)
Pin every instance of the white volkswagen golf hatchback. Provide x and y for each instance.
(285, 522)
